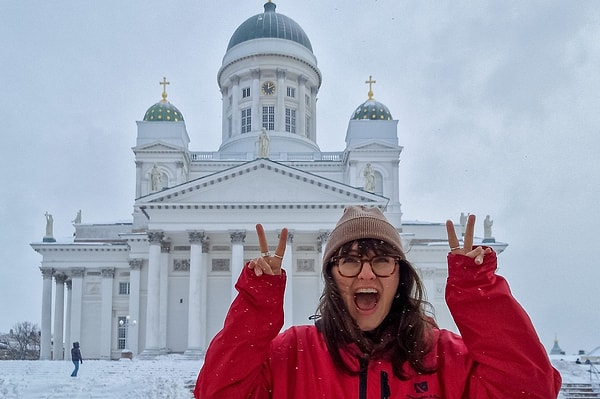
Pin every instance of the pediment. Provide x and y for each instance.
(259, 182)
(157, 146)
(375, 145)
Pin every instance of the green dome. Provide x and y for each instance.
(373, 110)
(163, 111)
(269, 24)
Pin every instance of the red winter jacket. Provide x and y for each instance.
(498, 356)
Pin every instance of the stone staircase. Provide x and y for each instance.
(578, 391)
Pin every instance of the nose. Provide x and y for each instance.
(366, 273)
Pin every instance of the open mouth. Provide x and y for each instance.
(366, 298)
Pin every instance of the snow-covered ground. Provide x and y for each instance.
(165, 377)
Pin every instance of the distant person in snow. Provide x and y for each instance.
(374, 338)
(76, 358)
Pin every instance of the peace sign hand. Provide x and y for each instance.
(478, 253)
(268, 264)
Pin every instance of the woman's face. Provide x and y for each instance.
(368, 298)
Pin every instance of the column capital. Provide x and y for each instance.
(237, 237)
(290, 237)
(136, 264)
(165, 247)
(108, 272)
(196, 237)
(302, 79)
(322, 239)
(280, 73)
(60, 278)
(47, 272)
(155, 237)
(205, 244)
(69, 284)
(255, 73)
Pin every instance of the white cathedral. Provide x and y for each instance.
(164, 282)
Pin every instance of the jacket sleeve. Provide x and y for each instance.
(233, 365)
(509, 359)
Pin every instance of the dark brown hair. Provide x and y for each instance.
(402, 337)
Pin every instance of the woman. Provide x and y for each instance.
(76, 358)
(374, 339)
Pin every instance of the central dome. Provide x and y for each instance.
(269, 25)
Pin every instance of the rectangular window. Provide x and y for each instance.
(290, 120)
(229, 127)
(268, 117)
(291, 92)
(220, 265)
(245, 92)
(122, 332)
(124, 288)
(246, 120)
(307, 99)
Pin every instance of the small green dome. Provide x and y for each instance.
(269, 24)
(373, 110)
(163, 111)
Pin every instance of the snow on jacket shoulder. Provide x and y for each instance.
(498, 357)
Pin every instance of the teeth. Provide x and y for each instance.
(366, 291)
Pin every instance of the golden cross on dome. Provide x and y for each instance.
(370, 82)
(164, 84)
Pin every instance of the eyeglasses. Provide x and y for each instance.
(351, 266)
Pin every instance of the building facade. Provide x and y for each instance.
(163, 282)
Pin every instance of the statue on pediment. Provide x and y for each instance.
(263, 144)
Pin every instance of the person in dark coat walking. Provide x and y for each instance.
(76, 357)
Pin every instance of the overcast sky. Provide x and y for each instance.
(498, 104)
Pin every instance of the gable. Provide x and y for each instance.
(262, 182)
(377, 145)
(157, 146)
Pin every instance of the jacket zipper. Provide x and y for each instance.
(384, 386)
(362, 377)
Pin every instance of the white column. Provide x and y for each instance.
(255, 91)
(321, 244)
(106, 323)
(165, 249)
(132, 343)
(138, 179)
(196, 289)
(46, 337)
(180, 175)
(237, 258)
(236, 122)
(76, 303)
(288, 265)
(280, 108)
(68, 285)
(313, 107)
(301, 116)
(59, 316)
(153, 294)
(204, 295)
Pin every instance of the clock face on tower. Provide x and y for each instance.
(268, 88)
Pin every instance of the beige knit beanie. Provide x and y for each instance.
(360, 222)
